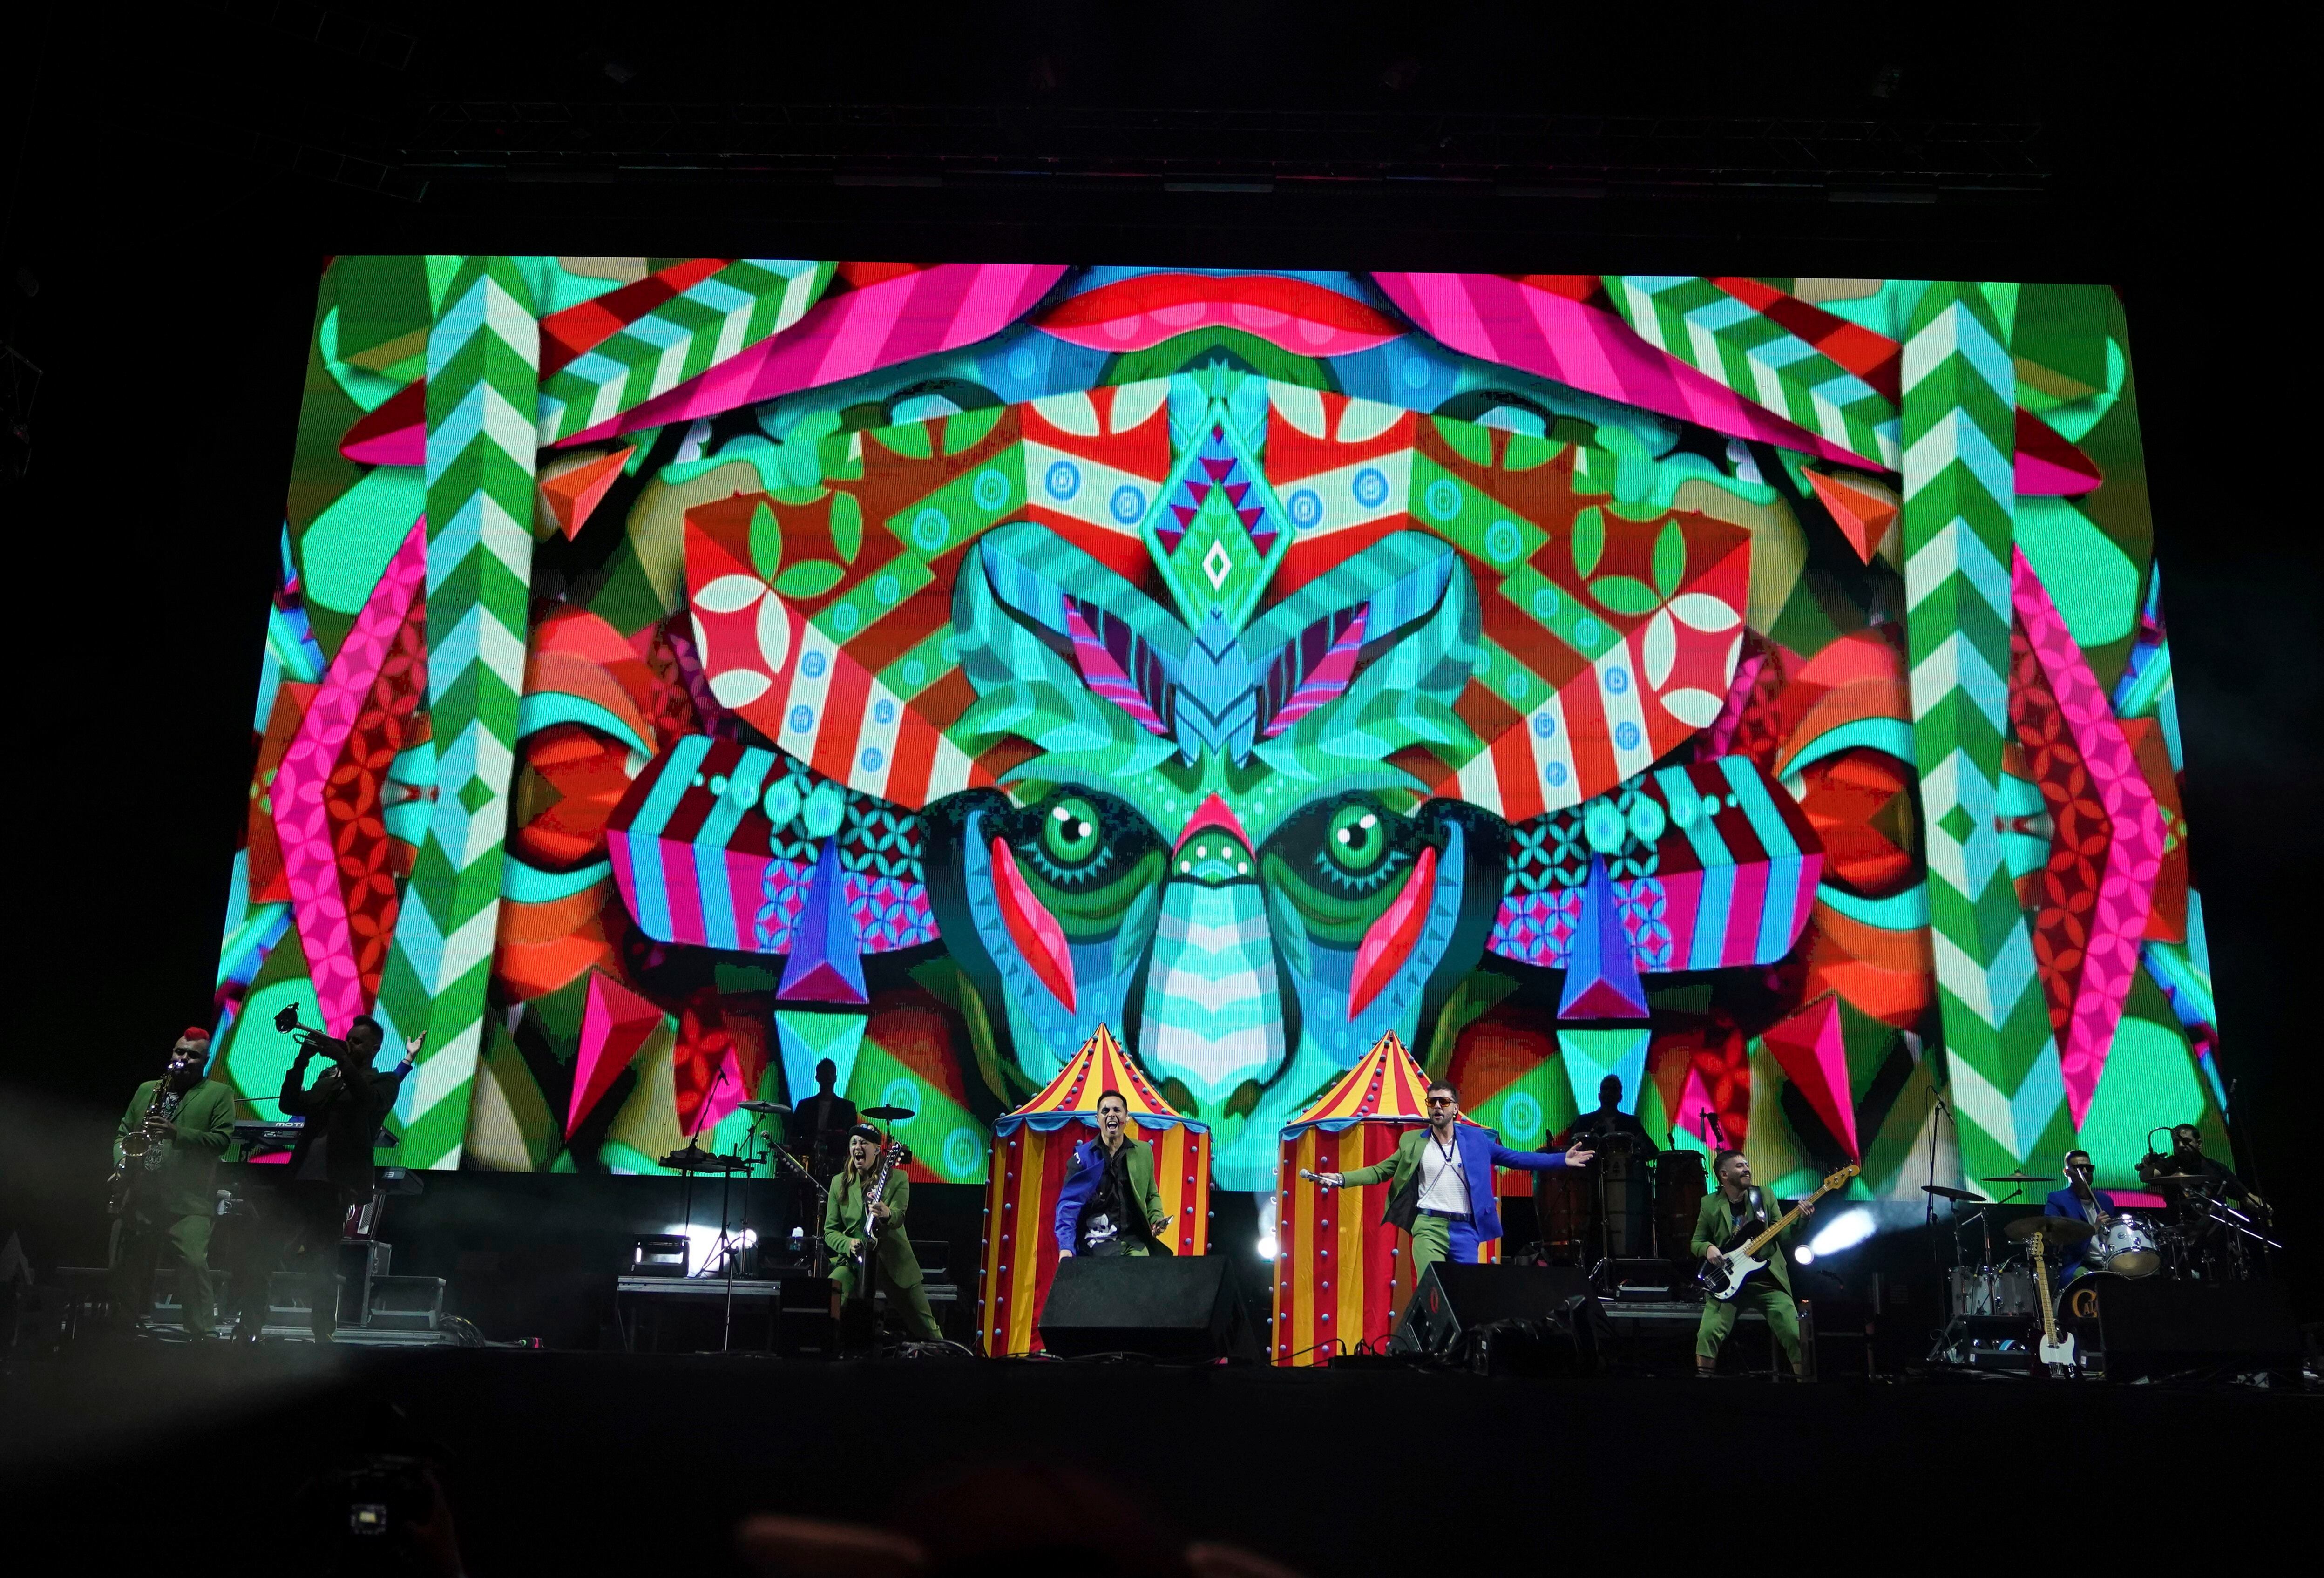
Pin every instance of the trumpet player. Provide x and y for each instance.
(331, 1168)
(165, 1153)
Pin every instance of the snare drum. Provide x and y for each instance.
(2005, 1290)
(2127, 1248)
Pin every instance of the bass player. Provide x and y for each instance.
(1734, 1204)
(847, 1226)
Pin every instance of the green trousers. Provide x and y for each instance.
(1763, 1295)
(142, 1242)
(911, 1302)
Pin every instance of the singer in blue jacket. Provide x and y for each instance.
(1442, 1191)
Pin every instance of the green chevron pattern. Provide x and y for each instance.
(482, 356)
(1695, 321)
(1959, 525)
(728, 312)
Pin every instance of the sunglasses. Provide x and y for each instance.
(1440, 1101)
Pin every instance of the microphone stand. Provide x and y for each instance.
(694, 1143)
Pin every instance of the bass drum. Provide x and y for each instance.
(1680, 1186)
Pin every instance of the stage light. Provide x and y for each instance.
(1804, 1255)
(1267, 1246)
(1845, 1231)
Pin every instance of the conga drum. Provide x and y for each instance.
(1562, 1199)
(1628, 1195)
(1680, 1185)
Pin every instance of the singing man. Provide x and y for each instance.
(1442, 1191)
(1109, 1204)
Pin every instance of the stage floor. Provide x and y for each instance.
(590, 1462)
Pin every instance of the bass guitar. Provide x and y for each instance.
(868, 1245)
(1748, 1248)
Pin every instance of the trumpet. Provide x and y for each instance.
(310, 1039)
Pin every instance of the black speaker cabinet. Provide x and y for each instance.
(1180, 1306)
(1547, 1307)
(2155, 1327)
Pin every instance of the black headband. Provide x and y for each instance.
(864, 1131)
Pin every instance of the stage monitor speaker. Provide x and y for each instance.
(1548, 1312)
(1168, 1306)
(2155, 1327)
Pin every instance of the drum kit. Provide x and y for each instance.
(2128, 1244)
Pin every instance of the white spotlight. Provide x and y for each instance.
(1844, 1232)
(1804, 1255)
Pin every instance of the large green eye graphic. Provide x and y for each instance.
(1356, 839)
(1079, 840)
(1346, 848)
(1070, 835)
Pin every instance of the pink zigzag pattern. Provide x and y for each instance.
(1501, 320)
(896, 320)
(2127, 888)
(309, 862)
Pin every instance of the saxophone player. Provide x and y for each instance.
(167, 1149)
(849, 1228)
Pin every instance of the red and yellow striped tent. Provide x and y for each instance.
(1031, 1150)
(1339, 1269)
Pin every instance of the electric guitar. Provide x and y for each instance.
(2057, 1353)
(1746, 1252)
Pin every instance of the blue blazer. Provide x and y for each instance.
(1481, 1152)
(2066, 1202)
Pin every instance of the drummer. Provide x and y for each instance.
(2082, 1202)
(1609, 1122)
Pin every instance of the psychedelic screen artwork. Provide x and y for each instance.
(685, 670)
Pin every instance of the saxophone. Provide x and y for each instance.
(136, 1143)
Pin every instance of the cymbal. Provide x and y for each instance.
(2017, 1178)
(692, 1159)
(1967, 1197)
(2057, 1229)
(2177, 1178)
(765, 1109)
(889, 1114)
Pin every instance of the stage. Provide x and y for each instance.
(607, 1462)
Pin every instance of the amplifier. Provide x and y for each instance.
(407, 1304)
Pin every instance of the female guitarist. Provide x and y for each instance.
(1736, 1203)
(871, 1237)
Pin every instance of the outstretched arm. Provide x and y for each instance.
(1079, 1186)
(1541, 1161)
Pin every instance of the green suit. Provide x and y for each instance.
(1769, 1292)
(898, 1268)
(172, 1203)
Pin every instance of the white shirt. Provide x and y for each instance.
(1443, 1186)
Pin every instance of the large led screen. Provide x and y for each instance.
(684, 670)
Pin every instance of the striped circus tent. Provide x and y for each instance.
(1032, 1148)
(1339, 1269)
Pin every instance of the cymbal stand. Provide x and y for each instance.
(732, 1248)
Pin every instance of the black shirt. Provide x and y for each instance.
(343, 1109)
(1604, 1122)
